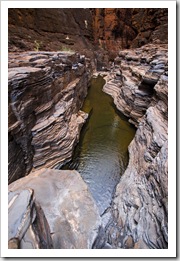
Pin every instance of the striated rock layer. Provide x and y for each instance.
(45, 92)
(139, 86)
(55, 210)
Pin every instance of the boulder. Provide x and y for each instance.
(69, 215)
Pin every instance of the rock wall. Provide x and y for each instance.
(85, 29)
(45, 91)
(55, 210)
(120, 28)
(49, 29)
(139, 86)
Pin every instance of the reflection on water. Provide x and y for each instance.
(101, 155)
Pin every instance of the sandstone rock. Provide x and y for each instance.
(45, 96)
(100, 29)
(129, 242)
(68, 207)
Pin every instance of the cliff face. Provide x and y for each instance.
(139, 86)
(83, 29)
(116, 28)
(46, 91)
(50, 29)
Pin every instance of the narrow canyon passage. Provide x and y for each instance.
(101, 155)
(88, 128)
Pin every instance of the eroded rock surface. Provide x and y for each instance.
(50, 29)
(139, 86)
(45, 91)
(82, 28)
(52, 209)
(133, 78)
(119, 28)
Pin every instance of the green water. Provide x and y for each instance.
(101, 155)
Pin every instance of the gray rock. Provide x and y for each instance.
(67, 204)
(27, 225)
(141, 195)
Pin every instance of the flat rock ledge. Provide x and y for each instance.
(52, 209)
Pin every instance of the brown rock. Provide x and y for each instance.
(50, 29)
(129, 242)
(119, 28)
(13, 243)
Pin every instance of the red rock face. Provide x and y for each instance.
(112, 28)
(116, 28)
(85, 29)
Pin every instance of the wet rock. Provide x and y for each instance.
(59, 213)
(44, 117)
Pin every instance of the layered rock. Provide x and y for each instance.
(133, 78)
(52, 209)
(140, 90)
(46, 91)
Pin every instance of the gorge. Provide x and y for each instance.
(58, 117)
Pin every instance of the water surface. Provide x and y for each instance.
(101, 155)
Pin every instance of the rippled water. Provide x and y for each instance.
(101, 155)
